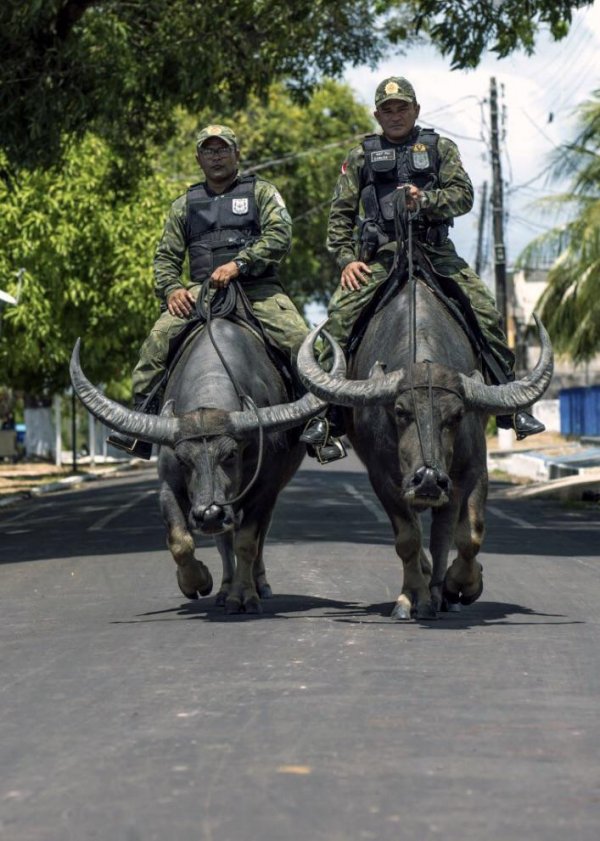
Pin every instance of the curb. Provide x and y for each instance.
(72, 481)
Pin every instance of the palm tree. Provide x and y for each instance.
(570, 306)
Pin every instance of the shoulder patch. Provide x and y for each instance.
(344, 167)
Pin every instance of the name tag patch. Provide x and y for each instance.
(383, 155)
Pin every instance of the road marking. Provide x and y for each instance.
(516, 520)
(26, 513)
(116, 512)
(373, 507)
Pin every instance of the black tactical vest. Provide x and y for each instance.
(219, 226)
(387, 165)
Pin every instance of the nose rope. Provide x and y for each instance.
(404, 232)
(246, 401)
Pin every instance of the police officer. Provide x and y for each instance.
(231, 226)
(429, 168)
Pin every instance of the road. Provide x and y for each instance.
(130, 714)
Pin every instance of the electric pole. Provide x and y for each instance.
(497, 207)
(481, 229)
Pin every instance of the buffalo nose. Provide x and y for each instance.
(210, 517)
(429, 481)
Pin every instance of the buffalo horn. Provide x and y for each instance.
(509, 397)
(334, 388)
(158, 430)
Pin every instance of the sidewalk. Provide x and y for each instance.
(33, 478)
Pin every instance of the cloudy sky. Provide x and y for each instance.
(552, 82)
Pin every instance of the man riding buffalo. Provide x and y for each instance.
(429, 168)
(231, 226)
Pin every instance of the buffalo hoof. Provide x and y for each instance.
(221, 598)
(469, 598)
(252, 605)
(401, 612)
(233, 605)
(264, 591)
(426, 611)
(449, 607)
(194, 580)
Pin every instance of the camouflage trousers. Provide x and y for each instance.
(277, 313)
(345, 307)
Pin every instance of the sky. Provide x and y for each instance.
(558, 77)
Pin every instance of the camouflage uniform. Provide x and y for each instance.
(454, 197)
(272, 306)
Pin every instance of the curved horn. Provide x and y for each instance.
(335, 388)
(159, 430)
(287, 415)
(508, 397)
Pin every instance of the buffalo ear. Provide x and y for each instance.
(378, 370)
(167, 410)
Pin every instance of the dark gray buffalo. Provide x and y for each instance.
(214, 478)
(419, 427)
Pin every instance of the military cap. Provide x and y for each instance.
(222, 132)
(395, 87)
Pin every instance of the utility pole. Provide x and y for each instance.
(481, 229)
(497, 207)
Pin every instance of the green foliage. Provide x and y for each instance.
(465, 29)
(87, 251)
(570, 306)
(119, 69)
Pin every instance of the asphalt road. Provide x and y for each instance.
(130, 714)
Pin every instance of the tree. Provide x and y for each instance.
(570, 306)
(71, 66)
(119, 69)
(88, 245)
(464, 29)
(87, 250)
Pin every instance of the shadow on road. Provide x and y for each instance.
(282, 606)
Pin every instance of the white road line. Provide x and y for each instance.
(26, 513)
(116, 512)
(373, 507)
(516, 520)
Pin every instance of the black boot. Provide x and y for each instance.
(522, 422)
(322, 436)
(133, 446)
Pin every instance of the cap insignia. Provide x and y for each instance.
(391, 87)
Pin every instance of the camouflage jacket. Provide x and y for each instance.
(268, 250)
(454, 197)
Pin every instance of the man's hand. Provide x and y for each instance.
(180, 303)
(220, 278)
(354, 274)
(413, 196)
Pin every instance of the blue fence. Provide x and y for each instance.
(580, 411)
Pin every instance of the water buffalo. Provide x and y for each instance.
(420, 407)
(221, 467)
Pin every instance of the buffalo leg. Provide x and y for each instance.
(224, 544)
(464, 580)
(193, 577)
(409, 548)
(260, 574)
(443, 524)
(249, 539)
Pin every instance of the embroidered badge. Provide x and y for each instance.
(278, 198)
(214, 130)
(239, 206)
(391, 87)
(344, 168)
(420, 156)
